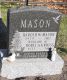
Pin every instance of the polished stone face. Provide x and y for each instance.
(34, 21)
(32, 29)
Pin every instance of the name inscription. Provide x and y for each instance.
(35, 24)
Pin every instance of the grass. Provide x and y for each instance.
(4, 9)
(4, 15)
(62, 36)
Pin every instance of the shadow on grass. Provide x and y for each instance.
(0, 66)
(36, 78)
(3, 35)
(20, 78)
(3, 39)
(62, 49)
(40, 78)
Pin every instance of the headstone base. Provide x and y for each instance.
(32, 67)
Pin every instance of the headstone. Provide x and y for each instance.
(32, 34)
(32, 31)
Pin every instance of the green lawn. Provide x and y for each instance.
(4, 15)
(62, 36)
(4, 9)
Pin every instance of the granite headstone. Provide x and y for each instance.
(32, 31)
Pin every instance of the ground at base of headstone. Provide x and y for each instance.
(62, 76)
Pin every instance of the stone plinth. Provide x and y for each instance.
(31, 67)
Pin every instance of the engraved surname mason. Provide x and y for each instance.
(35, 24)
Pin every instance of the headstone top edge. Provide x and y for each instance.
(34, 8)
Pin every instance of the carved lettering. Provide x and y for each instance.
(23, 23)
(35, 24)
